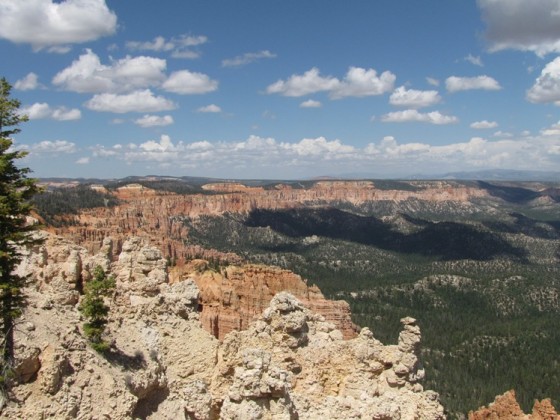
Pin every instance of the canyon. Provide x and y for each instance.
(381, 246)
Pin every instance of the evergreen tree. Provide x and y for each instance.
(93, 307)
(16, 190)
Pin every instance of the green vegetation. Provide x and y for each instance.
(95, 310)
(16, 190)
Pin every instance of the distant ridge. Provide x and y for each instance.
(482, 175)
(504, 175)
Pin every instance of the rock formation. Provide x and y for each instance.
(289, 364)
(506, 407)
(236, 296)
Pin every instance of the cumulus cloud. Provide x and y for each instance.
(546, 88)
(479, 125)
(180, 47)
(64, 114)
(310, 103)
(362, 82)
(82, 161)
(212, 108)
(247, 58)
(414, 98)
(42, 110)
(55, 24)
(456, 84)
(29, 82)
(185, 82)
(139, 101)
(328, 149)
(357, 82)
(154, 121)
(53, 147)
(88, 75)
(255, 151)
(299, 85)
(412, 115)
(522, 25)
(321, 155)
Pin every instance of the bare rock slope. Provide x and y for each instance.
(288, 364)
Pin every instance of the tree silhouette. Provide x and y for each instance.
(16, 190)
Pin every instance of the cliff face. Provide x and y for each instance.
(290, 363)
(234, 298)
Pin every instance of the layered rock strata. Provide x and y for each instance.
(159, 215)
(289, 364)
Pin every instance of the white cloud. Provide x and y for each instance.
(323, 156)
(37, 111)
(139, 101)
(357, 82)
(475, 60)
(456, 84)
(83, 161)
(158, 44)
(362, 82)
(553, 130)
(42, 110)
(546, 88)
(502, 134)
(180, 47)
(431, 81)
(88, 75)
(320, 146)
(247, 58)
(310, 103)
(64, 114)
(50, 24)
(310, 82)
(412, 115)
(154, 121)
(479, 125)
(29, 82)
(522, 25)
(212, 108)
(53, 147)
(414, 98)
(185, 82)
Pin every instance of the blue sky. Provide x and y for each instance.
(283, 89)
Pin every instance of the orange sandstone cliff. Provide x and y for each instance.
(506, 407)
(159, 215)
(234, 298)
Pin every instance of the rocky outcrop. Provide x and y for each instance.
(506, 407)
(293, 364)
(288, 364)
(234, 297)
